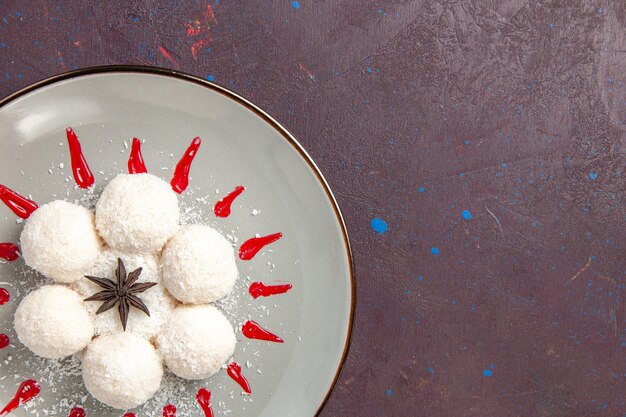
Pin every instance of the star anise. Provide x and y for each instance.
(123, 291)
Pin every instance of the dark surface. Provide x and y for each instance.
(512, 110)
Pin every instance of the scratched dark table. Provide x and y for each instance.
(477, 150)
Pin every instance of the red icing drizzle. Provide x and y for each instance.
(9, 252)
(234, 371)
(21, 206)
(180, 180)
(26, 392)
(259, 289)
(251, 247)
(222, 207)
(130, 415)
(82, 173)
(204, 399)
(4, 341)
(4, 296)
(135, 161)
(252, 330)
(169, 411)
(77, 412)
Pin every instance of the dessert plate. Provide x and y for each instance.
(241, 146)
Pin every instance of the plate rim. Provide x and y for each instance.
(291, 140)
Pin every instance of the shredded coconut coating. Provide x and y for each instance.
(60, 241)
(122, 370)
(137, 213)
(198, 265)
(53, 322)
(157, 299)
(196, 341)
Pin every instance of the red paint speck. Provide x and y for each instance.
(4, 340)
(259, 289)
(209, 14)
(9, 252)
(192, 30)
(234, 371)
(130, 415)
(21, 206)
(4, 296)
(26, 392)
(222, 207)
(77, 412)
(82, 173)
(180, 180)
(167, 56)
(200, 44)
(252, 330)
(204, 399)
(136, 164)
(169, 411)
(252, 246)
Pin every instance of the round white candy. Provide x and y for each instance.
(157, 299)
(198, 265)
(137, 213)
(196, 341)
(60, 241)
(53, 322)
(122, 370)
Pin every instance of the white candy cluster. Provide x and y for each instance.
(136, 220)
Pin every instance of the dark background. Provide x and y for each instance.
(416, 111)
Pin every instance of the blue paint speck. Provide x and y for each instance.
(593, 175)
(388, 391)
(491, 366)
(408, 292)
(3, 45)
(487, 372)
(37, 43)
(466, 214)
(473, 308)
(551, 25)
(210, 77)
(420, 278)
(600, 10)
(421, 189)
(18, 14)
(466, 142)
(431, 369)
(135, 19)
(369, 69)
(295, 4)
(378, 225)
(380, 11)
(434, 251)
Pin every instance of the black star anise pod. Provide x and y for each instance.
(123, 291)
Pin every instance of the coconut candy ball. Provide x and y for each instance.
(196, 341)
(60, 241)
(53, 322)
(198, 265)
(122, 370)
(137, 213)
